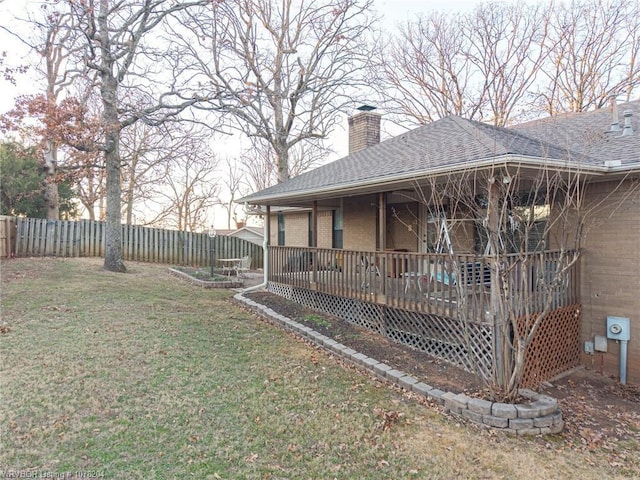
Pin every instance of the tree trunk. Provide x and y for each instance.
(113, 254)
(113, 261)
(51, 198)
(500, 344)
(511, 390)
(282, 161)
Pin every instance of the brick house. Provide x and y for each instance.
(366, 238)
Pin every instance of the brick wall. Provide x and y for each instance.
(402, 226)
(296, 226)
(610, 274)
(273, 230)
(359, 218)
(325, 229)
(296, 229)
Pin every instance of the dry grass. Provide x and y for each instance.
(142, 376)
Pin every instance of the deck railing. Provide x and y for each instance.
(432, 283)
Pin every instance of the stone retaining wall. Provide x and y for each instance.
(540, 415)
(205, 283)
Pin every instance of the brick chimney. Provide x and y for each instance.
(364, 129)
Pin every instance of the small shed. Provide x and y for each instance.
(251, 234)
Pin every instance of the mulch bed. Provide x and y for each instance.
(598, 411)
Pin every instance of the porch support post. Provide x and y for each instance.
(382, 238)
(314, 223)
(314, 241)
(382, 221)
(265, 245)
(494, 242)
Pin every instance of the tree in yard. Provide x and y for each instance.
(232, 182)
(20, 187)
(23, 184)
(54, 46)
(189, 191)
(593, 54)
(119, 44)
(502, 62)
(424, 73)
(259, 168)
(515, 215)
(168, 172)
(282, 70)
(89, 182)
(506, 49)
(9, 72)
(145, 150)
(478, 65)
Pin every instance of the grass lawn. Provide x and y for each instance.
(140, 375)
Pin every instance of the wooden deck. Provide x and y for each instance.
(441, 284)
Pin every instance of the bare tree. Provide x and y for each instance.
(280, 69)
(593, 54)
(117, 45)
(90, 183)
(529, 228)
(189, 191)
(504, 62)
(477, 65)
(260, 167)
(144, 151)
(232, 183)
(424, 73)
(506, 48)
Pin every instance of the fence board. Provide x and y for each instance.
(86, 238)
(63, 244)
(33, 240)
(7, 236)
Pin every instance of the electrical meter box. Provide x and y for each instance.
(618, 328)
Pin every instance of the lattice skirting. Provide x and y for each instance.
(555, 347)
(465, 345)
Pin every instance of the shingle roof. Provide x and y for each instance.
(585, 133)
(454, 142)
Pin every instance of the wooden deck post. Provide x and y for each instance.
(266, 264)
(382, 239)
(314, 242)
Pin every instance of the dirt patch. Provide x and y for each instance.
(598, 411)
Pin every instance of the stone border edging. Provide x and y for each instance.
(540, 416)
(204, 283)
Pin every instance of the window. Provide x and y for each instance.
(280, 229)
(336, 221)
(525, 226)
(310, 223)
(433, 229)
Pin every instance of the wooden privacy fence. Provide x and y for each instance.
(7, 236)
(86, 238)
